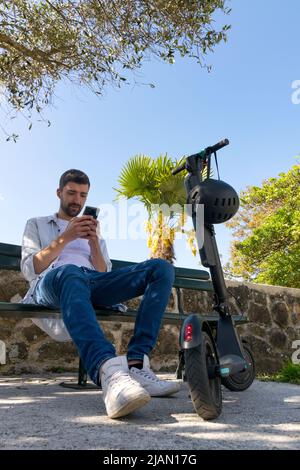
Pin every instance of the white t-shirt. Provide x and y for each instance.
(77, 252)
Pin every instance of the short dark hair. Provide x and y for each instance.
(75, 176)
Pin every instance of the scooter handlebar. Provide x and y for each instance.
(208, 150)
(218, 146)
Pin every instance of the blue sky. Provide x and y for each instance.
(247, 97)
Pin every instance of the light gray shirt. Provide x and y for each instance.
(38, 234)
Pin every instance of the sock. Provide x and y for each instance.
(138, 365)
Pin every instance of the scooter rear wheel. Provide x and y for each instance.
(242, 380)
(205, 387)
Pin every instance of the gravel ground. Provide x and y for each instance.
(37, 413)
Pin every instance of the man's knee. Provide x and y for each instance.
(164, 268)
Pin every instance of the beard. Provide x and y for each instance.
(72, 210)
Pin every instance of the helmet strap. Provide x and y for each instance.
(217, 166)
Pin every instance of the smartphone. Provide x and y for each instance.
(93, 211)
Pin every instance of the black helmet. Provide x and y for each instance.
(220, 200)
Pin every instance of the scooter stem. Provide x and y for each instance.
(210, 258)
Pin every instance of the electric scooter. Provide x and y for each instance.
(211, 357)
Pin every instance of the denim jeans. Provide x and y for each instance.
(76, 290)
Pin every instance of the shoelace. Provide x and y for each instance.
(114, 378)
(149, 374)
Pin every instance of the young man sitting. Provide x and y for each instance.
(67, 264)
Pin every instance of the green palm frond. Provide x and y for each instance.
(150, 181)
(136, 177)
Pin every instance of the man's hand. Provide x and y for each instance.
(81, 227)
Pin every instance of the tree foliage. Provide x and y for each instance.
(267, 232)
(95, 42)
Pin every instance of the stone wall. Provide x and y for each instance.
(273, 313)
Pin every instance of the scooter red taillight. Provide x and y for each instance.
(188, 332)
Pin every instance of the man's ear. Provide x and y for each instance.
(58, 193)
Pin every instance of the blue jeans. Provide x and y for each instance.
(76, 290)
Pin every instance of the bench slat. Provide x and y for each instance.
(195, 284)
(9, 262)
(192, 273)
(10, 250)
(10, 258)
(20, 311)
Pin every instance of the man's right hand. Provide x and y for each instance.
(79, 227)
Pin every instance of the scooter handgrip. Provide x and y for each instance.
(179, 169)
(218, 146)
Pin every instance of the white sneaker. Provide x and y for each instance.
(120, 392)
(150, 382)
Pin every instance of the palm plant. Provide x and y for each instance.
(151, 182)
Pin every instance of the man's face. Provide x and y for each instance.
(72, 198)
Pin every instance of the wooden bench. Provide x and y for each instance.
(10, 257)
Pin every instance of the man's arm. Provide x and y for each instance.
(36, 259)
(97, 256)
(77, 228)
(31, 244)
(43, 258)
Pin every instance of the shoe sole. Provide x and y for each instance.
(164, 394)
(130, 406)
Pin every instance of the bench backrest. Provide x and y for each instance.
(10, 258)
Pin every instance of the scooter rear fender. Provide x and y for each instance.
(191, 331)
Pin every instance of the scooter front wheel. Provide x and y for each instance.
(242, 380)
(205, 387)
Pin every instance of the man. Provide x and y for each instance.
(67, 264)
